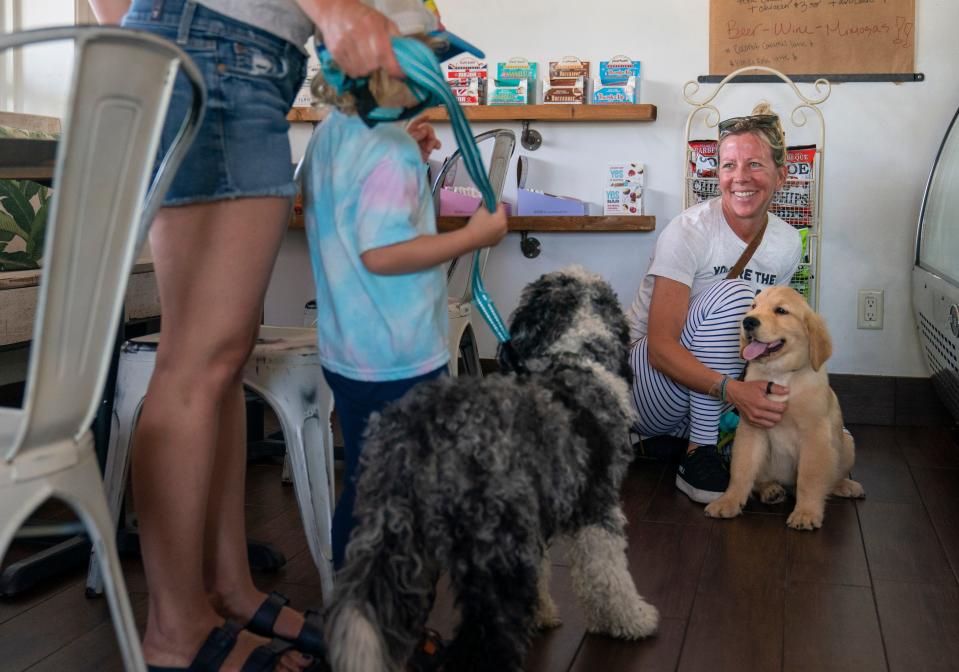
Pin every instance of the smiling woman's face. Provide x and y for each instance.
(748, 178)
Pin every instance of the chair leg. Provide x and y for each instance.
(304, 419)
(470, 353)
(129, 397)
(81, 487)
(459, 324)
(314, 494)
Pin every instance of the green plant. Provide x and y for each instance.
(23, 216)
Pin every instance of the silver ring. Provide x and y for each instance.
(769, 387)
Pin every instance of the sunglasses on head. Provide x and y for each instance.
(747, 123)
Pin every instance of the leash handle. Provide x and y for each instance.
(421, 67)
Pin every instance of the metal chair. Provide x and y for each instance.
(462, 337)
(99, 215)
(284, 370)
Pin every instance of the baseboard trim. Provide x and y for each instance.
(890, 400)
(873, 400)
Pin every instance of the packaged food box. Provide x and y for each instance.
(466, 91)
(519, 69)
(507, 92)
(616, 82)
(468, 72)
(567, 81)
(625, 183)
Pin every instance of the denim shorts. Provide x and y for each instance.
(242, 149)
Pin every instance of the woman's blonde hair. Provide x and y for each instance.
(765, 124)
(388, 91)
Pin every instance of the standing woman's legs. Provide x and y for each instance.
(213, 253)
(213, 264)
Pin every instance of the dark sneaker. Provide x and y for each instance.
(702, 475)
(665, 448)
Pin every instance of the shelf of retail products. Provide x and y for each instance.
(545, 224)
(559, 112)
(557, 224)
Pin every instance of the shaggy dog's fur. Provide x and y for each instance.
(786, 342)
(475, 476)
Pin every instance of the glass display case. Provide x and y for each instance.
(935, 276)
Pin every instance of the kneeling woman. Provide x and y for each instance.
(709, 263)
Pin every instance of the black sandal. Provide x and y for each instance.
(218, 645)
(429, 654)
(310, 639)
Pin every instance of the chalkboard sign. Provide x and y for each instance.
(813, 36)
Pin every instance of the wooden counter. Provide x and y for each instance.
(18, 301)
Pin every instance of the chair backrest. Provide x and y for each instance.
(504, 142)
(99, 214)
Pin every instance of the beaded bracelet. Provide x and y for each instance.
(718, 391)
(722, 389)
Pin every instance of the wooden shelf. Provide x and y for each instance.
(306, 114)
(552, 113)
(585, 224)
(598, 224)
(567, 113)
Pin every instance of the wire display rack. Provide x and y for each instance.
(799, 202)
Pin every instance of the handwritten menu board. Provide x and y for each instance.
(813, 36)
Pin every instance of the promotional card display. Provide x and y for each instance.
(304, 98)
(458, 199)
(467, 78)
(463, 201)
(616, 82)
(511, 76)
(567, 81)
(624, 189)
(533, 202)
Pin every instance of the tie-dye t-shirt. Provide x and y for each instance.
(366, 188)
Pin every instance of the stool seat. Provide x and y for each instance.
(284, 369)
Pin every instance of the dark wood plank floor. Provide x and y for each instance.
(875, 589)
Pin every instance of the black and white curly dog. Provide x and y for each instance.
(476, 476)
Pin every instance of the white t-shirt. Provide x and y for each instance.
(283, 18)
(698, 248)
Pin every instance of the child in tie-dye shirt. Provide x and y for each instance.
(380, 287)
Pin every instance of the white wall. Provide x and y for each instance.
(881, 140)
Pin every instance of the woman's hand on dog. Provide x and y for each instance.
(754, 405)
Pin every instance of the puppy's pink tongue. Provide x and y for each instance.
(754, 350)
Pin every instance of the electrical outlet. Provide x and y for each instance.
(870, 309)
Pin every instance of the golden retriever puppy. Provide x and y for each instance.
(785, 341)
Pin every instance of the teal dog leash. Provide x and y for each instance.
(420, 65)
(425, 80)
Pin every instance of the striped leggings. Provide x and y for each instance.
(711, 333)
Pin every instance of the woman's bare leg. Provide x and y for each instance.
(213, 264)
